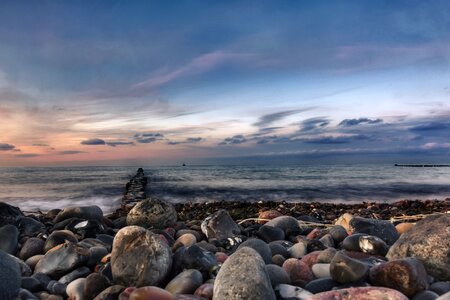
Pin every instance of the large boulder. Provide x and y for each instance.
(9, 214)
(83, 212)
(243, 276)
(139, 257)
(62, 260)
(10, 280)
(383, 229)
(152, 213)
(428, 241)
(220, 226)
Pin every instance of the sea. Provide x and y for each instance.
(45, 188)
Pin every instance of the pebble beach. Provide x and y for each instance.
(151, 249)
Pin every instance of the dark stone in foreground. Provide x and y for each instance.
(10, 280)
(379, 228)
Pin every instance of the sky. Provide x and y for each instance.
(166, 82)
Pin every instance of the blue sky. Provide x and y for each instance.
(114, 82)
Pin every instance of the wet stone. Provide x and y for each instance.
(33, 246)
(185, 283)
(77, 273)
(344, 269)
(298, 271)
(110, 293)
(259, 246)
(220, 226)
(277, 275)
(326, 255)
(31, 284)
(152, 213)
(290, 292)
(205, 291)
(321, 285)
(425, 295)
(59, 237)
(288, 224)
(379, 228)
(440, 287)
(95, 283)
(83, 212)
(9, 238)
(269, 233)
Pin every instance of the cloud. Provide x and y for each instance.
(7, 147)
(354, 122)
(190, 140)
(334, 139)
(314, 124)
(119, 143)
(26, 155)
(234, 140)
(70, 152)
(434, 126)
(93, 142)
(40, 145)
(148, 138)
(270, 118)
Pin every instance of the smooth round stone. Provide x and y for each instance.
(9, 240)
(32, 261)
(327, 240)
(310, 259)
(185, 283)
(139, 257)
(383, 229)
(405, 275)
(26, 294)
(344, 269)
(404, 227)
(30, 227)
(288, 224)
(59, 237)
(425, 295)
(75, 289)
(83, 212)
(326, 256)
(321, 285)
(96, 255)
(373, 245)
(197, 234)
(106, 239)
(207, 246)
(321, 270)
(269, 233)
(205, 291)
(351, 242)
(32, 246)
(43, 279)
(278, 260)
(315, 234)
(298, 250)
(186, 240)
(152, 213)
(338, 233)
(31, 284)
(259, 246)
(56, 287)
(277, 275)
(221, 257)
(194, 257)
(243, 276)
(25, 270)
(298, 271)
(344, 221)
(277, 248)
(77, 273)
(315, 245)
(440, 287)
(150, 292)
(268, 215)
(363, 293)
(95, 283)
(110, 293)
(290, 292)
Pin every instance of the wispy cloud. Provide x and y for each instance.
(70, 152)
(268, 119)
(27, 155)
(7, 147)
(234, 140)
(119, 143)
(93, 142)
(354, 122)
(148, 138)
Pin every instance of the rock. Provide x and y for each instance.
(321, 270)
(82, 212)
(77, 273)
(338, 233)
(220, 226)
(298, 250)
(259, 246)
(269, 233)
(33, 246)
(344, 269)
(95, 283)
(110, 293)
(9, 277)
(57, 288)
(9, 214)
(365, 243)
(186, 240)
(205, 290)
(440, 287)
(9, 238)
(327, 240)
(344, 221)
(277, 275)
(31, 284)
(139, 257)
(405, 275)
(379, 228)
(243, 276)
(428, 241)
(298, 271)
(75, 289)
(62, 260)
(325, 256)
(311, 258)
(150, 292)
(288, 224)
(290, 292)
(25, 270)
(268, 215)
(95, 255)
(321, 285)
(185, 283)
(315, 245)
(445, 296)
(26, 294)
(152, 213)
(30, 227)
(278, 248)
(59, 237)
(404, 227)
(32, 261)
(278, 260)
(221, 257)
(425, 295)
(194, 257)
(366, 293)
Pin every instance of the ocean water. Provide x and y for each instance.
(42, 189)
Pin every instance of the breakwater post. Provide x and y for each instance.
(134, 190)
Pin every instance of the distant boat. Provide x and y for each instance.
(183, 165)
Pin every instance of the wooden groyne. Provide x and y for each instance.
(134, 190)
(421, 165)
